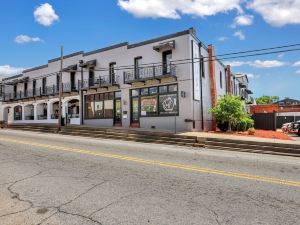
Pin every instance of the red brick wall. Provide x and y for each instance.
(273, 107)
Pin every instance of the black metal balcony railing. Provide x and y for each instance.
(151, 72)
(54, 116)
(38, 92)
(98, 82)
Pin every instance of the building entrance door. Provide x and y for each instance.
(135, 112)
(118, 113)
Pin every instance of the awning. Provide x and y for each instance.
(91, 63)
(164, 45)
(70, 68)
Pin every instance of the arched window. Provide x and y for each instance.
(18, 112)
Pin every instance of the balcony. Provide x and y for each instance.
(100, 82)
(149, 73)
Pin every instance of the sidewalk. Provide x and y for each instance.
(241, 138)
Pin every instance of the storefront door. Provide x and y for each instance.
(135, 112)
(118, 113)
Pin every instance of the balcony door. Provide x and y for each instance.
(91, 76)
(167, 57)
(25, 89)
(44, 85)
(135, 108)
(112, 73)
(73, 82)
(137, 64)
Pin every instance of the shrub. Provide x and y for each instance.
(251, 131)
(241, 125)
(250, 123)
(223, 126)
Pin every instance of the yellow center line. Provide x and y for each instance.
(159, 163)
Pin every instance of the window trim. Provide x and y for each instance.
(157, 97)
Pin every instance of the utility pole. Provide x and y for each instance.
(60, 90)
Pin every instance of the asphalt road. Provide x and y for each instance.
(53, 179)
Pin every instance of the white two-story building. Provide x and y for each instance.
(165, 83)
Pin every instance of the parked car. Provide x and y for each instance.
(285, 127)
(294, 128)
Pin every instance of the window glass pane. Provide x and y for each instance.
(144, 91)
(173, 88)
(106, 97)
(99, 113)
(90, 107)
(97, 97)
(148, 106)
(118, 94)
(101, 97)
(108, 108)
(153, 90)
(111, 95)
(135, 92)
(168, 104)
(163, 89)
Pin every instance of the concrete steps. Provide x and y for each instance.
(168, 139)
(118, 134)
(253, 147)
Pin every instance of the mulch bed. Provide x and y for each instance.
(260, 134)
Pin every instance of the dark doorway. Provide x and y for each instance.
(167, 57)
(135, 112)
(73, 82)
(118, 113)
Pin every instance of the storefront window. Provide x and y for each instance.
(157, 101)
(168, 104)
(163, 89)
(144, 91)
(108, 108)
(135, 92)
(148, 105)
(18, 113)
(100, 106)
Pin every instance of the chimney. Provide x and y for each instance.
(229, 88)
(212, 77)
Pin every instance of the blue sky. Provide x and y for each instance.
(32, 32)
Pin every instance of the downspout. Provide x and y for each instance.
(201, 86)
(193, 74)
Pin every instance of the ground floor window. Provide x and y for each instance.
(156, 101)
(101, 106)
(18, 113)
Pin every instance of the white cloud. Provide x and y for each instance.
(266, 64)
(281, 55)
(222, 39)
(173, 9)
(296, 63)
(257, 63)
(243, 20)
(240, 35)
(22, 39)
(277, 12)
(298, 71)
(235, 63)
(45, 15)
(7, 70)
(252, 76)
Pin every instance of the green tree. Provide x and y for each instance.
(265, 99)
(229, 109)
